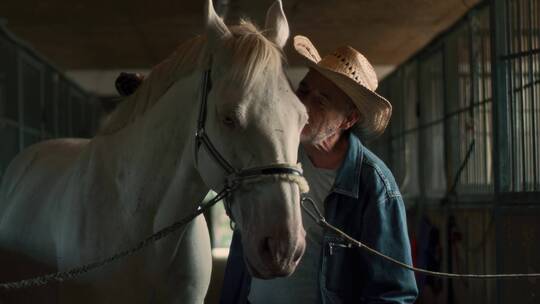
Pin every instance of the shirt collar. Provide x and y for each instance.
(348, 175)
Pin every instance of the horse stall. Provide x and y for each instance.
(37, 101)
(464, 145)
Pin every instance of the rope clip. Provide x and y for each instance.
(314, 212)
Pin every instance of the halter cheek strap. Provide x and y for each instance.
(201, 138)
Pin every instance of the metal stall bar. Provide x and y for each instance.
(503, 180)
(473, 97)
(535, 28)
(501, 155)
(485, 77)
(532, 98)
(512, 99)
(481, 122)
(522, 113)
(467, 100)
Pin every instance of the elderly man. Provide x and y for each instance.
(354, 188)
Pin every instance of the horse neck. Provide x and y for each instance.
(154, 155)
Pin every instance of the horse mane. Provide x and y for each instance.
(251, 56)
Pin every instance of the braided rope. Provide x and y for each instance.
(303, 185)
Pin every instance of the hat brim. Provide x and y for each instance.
(375, 109)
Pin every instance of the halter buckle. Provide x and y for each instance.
(199, 133)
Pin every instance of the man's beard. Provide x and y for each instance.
(314, 137)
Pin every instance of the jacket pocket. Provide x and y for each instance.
(337, 265)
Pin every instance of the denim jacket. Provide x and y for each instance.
(365, 202)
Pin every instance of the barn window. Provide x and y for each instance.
(522, 62)
(31, 91)
(8, 61)
(9, 133)
(2, 95)
(50, 115)
(64, 110)
(431, 129)
(471, 133)
(77, 115)
(401, 89)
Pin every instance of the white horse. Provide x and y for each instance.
(68, 202)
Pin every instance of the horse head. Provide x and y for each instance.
(254, 119)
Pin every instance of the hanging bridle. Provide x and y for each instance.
(235, 177)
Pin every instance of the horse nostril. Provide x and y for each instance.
(266, 246)
(270, 249)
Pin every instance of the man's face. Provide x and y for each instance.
(329, 108)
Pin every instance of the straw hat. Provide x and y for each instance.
(352, 73)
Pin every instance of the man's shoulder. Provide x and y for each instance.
(375, 172)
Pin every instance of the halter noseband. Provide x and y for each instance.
(235, 177)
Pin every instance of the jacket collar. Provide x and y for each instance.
(348, 175)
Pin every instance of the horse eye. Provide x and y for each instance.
(228, 121)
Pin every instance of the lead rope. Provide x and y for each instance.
(319, 219)
(75, 272)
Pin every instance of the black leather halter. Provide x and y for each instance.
(234, 177)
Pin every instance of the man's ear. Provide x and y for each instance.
(276, 24)
(351, 120)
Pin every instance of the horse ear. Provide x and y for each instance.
(215, 27)
(276, 24)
